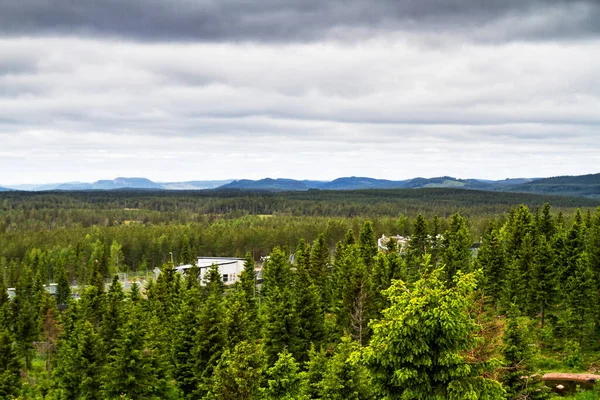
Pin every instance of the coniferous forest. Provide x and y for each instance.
(436, 317)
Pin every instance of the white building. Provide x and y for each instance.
(230, 268)
(383, 241)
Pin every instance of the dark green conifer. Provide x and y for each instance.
(367, 244)
(10, 367)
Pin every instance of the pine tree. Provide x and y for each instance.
(418, 349)
(285, 381)
(10, 368)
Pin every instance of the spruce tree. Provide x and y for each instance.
(544, 278)
(77, 373)
(519, 378)
(285, 381)
(580, 289)
(185, 324)
(319, 264)
(309, 308)
(63, 287)
(367, 244)
(280, 324)
(418, 349)
(344, 377)
(491, 259)
(132, 368)
(10, 367)
(210, 337)
(456, 255)
(239, 373)
(417, 246)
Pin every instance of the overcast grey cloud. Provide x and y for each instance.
(314, 89)
(298, 20)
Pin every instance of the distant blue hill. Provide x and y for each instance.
(266, 184)
(580, 186)
(3, 189)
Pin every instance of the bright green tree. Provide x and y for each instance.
(344, 377)
(285, 381)
(418, 349)
(239, 373)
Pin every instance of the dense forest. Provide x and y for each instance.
(430, 319)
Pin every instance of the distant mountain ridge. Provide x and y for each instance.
(579, 186)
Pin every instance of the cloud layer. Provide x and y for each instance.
(299, 20)
(227, 89)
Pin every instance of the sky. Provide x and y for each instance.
(184, 90)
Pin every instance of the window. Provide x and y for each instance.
(225, 277)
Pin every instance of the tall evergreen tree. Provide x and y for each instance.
(210, 333)
(132, 368)
(77, 373)
(319, 264)
(10, 367)
(491, 259)
(344, 377)
(367, 244)
(544, 278)
(239, 373)
(519, 378)
(309, 309)
(63, 287)
(419, 241)
(285, 381)
(185, 325)
(457, 248)
(580, 289)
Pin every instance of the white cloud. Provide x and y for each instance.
(386, 106)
